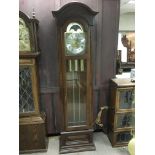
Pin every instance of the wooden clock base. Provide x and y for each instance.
(76, 141)
(32, 135)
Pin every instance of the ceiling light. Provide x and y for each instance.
(131, 2)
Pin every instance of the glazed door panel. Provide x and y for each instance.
(28, 99)
(125, 99)
(76, 91)
(76, 75)
(124, 120)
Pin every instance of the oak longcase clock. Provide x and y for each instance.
(32, 134)
(74, 27)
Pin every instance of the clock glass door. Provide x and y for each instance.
(75, 75)
(26, 101)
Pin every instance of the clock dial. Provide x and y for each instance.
(75, 41)
(24, 37)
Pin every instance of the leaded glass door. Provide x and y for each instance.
(28, 100)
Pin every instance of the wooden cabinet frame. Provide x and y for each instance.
(116, 88)
(75, 138)
(31, 64)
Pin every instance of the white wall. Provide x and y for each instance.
(127, 22)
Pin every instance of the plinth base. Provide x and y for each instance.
(76, 141)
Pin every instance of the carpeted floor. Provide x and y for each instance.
(102, 143)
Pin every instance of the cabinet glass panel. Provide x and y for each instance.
(123, 136)
(125, 120)
(24, 37)
(76, 91)
(75, 41)
(126, 98)
(26, 102)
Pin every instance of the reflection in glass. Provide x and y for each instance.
(125, 120)
(75, 41)
(123, 136)
(24, 36)
(76, 92)
(127, 99)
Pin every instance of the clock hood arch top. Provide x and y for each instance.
(31, 26)
(27, 18)
(75, 10)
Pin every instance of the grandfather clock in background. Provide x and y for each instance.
(74, 28)
(32, 133)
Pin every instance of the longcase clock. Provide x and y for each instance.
(32, 133)
(74, 27)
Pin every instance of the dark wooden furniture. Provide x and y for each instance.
(32, 137)
(32, 133)
(121, 111)
(74, 25)
(105, 42)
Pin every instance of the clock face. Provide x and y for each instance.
(24, 36)
(75, 41)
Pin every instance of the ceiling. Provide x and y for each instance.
(127, 6)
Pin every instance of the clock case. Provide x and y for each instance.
(32, 131)
(77, 137)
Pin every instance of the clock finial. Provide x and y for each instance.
(33, 13)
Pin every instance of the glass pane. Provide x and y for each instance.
(26, 103)
(125, 120)
(24, 36)
(123, 136)
(75, 41)
(127, 99)
(76, 92)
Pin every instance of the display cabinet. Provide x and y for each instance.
(121, 111)
(74, 26)
(32, 132)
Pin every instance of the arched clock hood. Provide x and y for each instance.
(75, 10)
